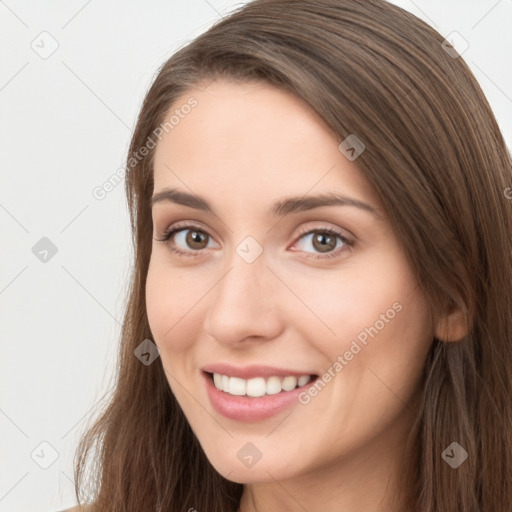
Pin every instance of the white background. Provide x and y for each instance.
(65, 124)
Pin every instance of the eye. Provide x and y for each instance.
(193, 239)
(189, 235)
(328, 242)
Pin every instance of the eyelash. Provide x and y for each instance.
(166, 237)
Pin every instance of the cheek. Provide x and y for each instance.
(350, 302)
(400, 349)
(385, 334)
(170, 300)
(373, 311)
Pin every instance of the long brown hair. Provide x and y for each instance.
(436, 157)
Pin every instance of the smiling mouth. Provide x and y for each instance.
(259, 386)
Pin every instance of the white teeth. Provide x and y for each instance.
(273, 385)
(289, 383)
(258, 386)
(237, 386)
(255, 387)
(303, 380)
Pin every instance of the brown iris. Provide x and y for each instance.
(326, 242)
(195, 238)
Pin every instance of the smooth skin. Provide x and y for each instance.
(243, 147)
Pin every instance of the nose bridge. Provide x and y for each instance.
(244, 301)
(246, 274)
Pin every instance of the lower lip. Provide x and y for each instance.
(245, 408)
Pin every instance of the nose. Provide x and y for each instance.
(244, 304)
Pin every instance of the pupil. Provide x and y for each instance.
(195, 237)
(324, 240)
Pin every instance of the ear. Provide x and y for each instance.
(452, 326)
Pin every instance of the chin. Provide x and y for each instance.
(269, 470)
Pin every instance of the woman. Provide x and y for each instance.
(320, 315)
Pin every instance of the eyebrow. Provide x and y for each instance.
(279, 208)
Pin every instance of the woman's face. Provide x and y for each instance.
(272, 294)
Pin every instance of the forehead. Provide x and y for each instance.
(256, 139)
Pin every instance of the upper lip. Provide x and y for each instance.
(251, 371)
